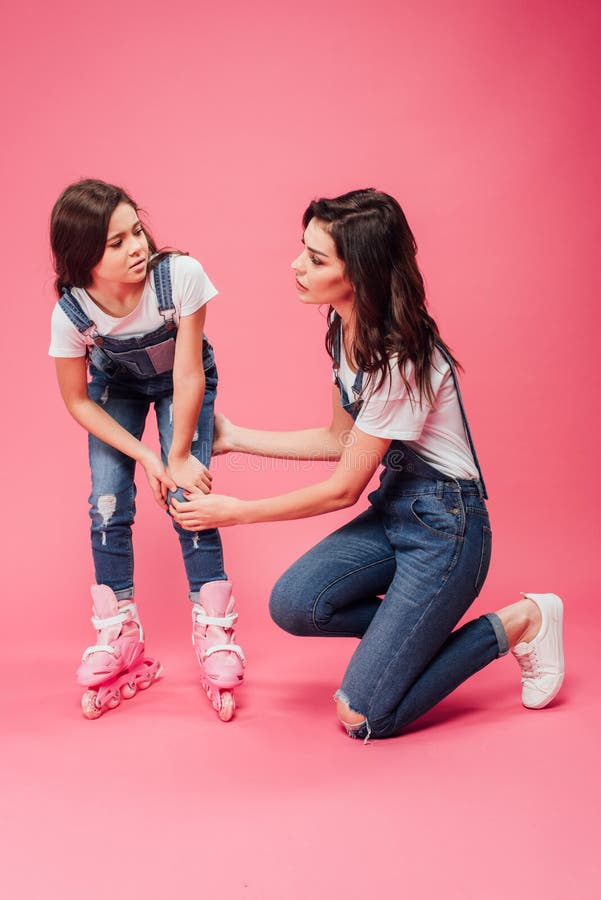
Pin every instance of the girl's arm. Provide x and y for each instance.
(312, 443)
(72, 379)
(188, 395)
(359, 460)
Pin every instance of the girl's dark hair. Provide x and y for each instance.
(78, 229)
(376, 245)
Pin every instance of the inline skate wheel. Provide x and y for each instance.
(129, 690)
(226, 706)
(88, 705)
(145, 682)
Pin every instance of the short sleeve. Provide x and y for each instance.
(389, 412)
(65, 339)
(192, 287)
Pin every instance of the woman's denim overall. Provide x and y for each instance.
(127, 375)
(425, 545)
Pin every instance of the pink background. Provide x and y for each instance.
(223, 121)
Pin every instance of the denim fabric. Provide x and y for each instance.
(425, 546)
(112, 501)
(134, 358)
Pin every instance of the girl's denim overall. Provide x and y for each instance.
(127, 376)
(425, 545)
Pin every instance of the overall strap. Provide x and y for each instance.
(161, 275)
(337, 349)
(336, 346)
(72, 309)
(464, 417)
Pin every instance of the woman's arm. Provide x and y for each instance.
(72, 381)
(312, 443)
(188, 394)
(359, 460)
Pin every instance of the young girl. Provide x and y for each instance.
(424, 542)
(135, 317)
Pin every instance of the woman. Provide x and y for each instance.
(424, 543)
(136, 317)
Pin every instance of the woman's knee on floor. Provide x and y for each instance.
(348, 716)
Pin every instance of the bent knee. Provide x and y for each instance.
(287, 614)
(347, 716)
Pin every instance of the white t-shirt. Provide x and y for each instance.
(191, 289)
(435, 432)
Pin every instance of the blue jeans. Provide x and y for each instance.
(424, 545)
(112, 501)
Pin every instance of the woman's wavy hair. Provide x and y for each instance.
(376, 245)
(78, 228)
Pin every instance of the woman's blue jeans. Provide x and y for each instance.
(425, 546)
(112, 501)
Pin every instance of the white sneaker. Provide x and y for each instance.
(541, 659)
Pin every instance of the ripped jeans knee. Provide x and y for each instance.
(359, 730)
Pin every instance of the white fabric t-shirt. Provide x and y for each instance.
(191, 289)
(435, 432)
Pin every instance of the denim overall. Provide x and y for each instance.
(127, 375)
(424, 543)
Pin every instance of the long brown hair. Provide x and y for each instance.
(78, 228)
(376, 245)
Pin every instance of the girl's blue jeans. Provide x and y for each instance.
(112, 501)
(425, 546)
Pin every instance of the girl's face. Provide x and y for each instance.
(320, 274)
(126, 252)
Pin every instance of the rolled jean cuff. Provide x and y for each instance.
(125, 594)
(500, 633)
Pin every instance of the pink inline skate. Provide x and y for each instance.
(115, 667)
(221, 659)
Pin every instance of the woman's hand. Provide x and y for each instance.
(205, 511)
(158, 478)
(190, 474)
(222, 436)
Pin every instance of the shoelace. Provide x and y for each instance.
(529, 665)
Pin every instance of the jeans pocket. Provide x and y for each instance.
(484, 558)
(432, 513)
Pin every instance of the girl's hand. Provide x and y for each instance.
(201, 512)
(158, 478)
(222, 437)
(190, 474)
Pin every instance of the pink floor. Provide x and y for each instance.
(159, 799)
(224, 120)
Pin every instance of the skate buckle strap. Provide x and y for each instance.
(226, 621)
(234, 648)
(127, 613)
(98, 648)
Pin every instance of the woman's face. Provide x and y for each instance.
(320, 274)
(126, 251)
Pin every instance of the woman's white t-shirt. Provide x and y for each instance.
(435, 432)
(191, 289)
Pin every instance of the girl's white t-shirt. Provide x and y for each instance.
(191, 289)
(435, 432)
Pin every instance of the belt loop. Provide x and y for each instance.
(439, 490)
(480, 489)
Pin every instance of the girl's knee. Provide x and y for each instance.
(112, 507)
